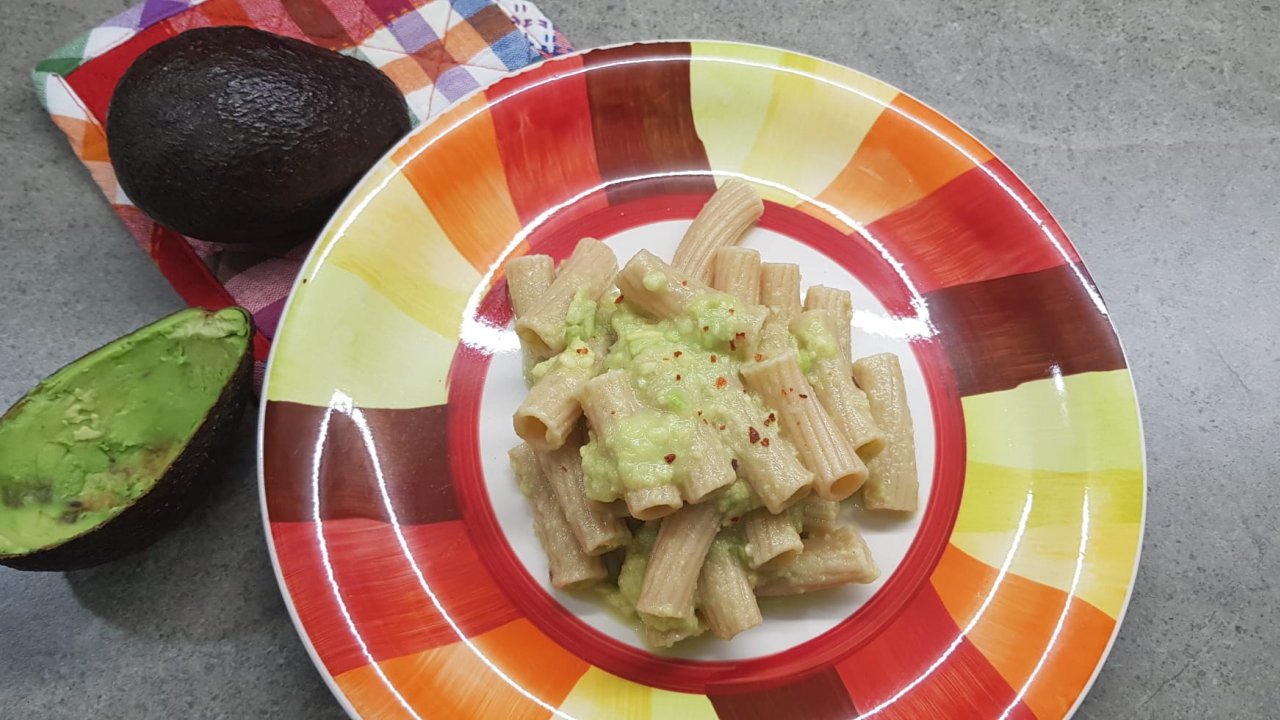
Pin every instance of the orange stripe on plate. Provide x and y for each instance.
(1025, 625)
(455, 681)
(911, 151)
(455, 166)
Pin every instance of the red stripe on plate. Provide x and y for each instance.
(411, 451)
(921, 666)
(374, 602)
(984, 224)
(1002, 333)
(642, 120)
(545, 139)
(820, 696)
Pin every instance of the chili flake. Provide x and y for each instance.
(753, 435)
(721, 383)
(670, 458)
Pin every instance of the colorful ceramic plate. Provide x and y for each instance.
(407, 556)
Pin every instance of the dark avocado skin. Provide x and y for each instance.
(236, 135)
(176, 493)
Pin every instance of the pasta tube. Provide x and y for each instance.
(838, 473)
(836, 558)
(571, 568)
(766, 460)
(818, 515)
(607, 401)
(684, 538)
(839, 305)
(829, 374)
(772, 540)
(657, 288)
(594, 524)
(528, 277)
(736, 271)
(550, 412)
(586, 273)
(780, 288)
(728, 601)
(892, 483)
(730, 212)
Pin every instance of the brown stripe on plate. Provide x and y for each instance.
(642, 120)
(1004, 332)
(820, 696)
(411, 447)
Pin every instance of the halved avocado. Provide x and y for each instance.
(107, 454)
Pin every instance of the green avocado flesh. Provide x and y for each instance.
(98, 434)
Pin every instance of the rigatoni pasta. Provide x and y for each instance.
(892, 483)
(689, 436)
(730, 212)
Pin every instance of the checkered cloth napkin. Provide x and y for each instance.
(436, 52)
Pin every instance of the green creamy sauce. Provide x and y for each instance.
(580, 322)
(814, 342)
(681, 368)
(96, 435)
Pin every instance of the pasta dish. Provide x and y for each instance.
(693, 428)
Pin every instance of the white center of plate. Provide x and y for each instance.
(788, 622)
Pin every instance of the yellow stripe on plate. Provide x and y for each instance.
(602, 696)
(1099, 511)
(1076, 423)
(818, 114)
(730, 96)
(398, 248)
(350, 337)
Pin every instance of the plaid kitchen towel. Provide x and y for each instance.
(436, 51)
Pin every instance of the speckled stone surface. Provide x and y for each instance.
(1150, 129)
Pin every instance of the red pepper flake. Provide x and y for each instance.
(670, 458)
(706, 328)
(677, 377)
(699, 413)
(759, 357)
(753, 435)
(583, 351)
(721, 427)
(734, 464)
(764, 442)
(733, 345)
(618, 301)
(685, 283)
(676, 354)
(740, 335)
(721, 383)
(803, 396)
(770, 420)
(714, 358)
(731, 311)
(564, 469)
(733, 519)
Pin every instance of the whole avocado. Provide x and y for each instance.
(236, 135)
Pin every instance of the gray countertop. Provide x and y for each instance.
(1150, 129)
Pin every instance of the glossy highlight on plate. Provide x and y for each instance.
(401, 577)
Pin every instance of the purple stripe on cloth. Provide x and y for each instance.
(131, 18)
(156, 10)
(268, 318)
(412, 31)
(456, 82)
